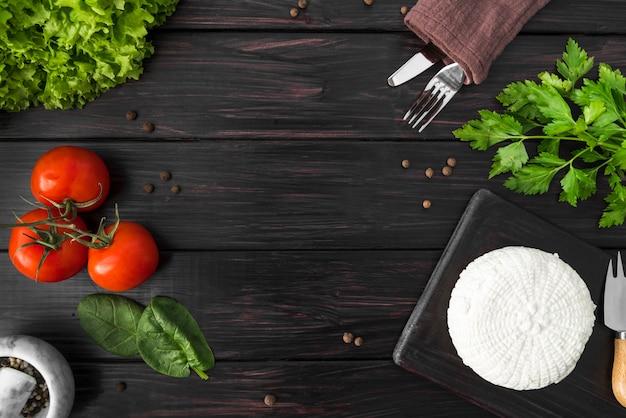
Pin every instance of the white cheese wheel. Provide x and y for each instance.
(520, 317)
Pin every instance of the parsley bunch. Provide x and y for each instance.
(560, 109)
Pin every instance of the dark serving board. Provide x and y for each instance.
(425, 347)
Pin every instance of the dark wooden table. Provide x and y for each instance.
(295, 221)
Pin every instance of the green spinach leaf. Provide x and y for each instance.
(170, 341)
(111, 321)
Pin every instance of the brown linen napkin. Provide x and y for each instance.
(472, 33)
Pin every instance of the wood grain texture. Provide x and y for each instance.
(559, 16)
(302, 389)
(274, 195)
(296, 221)
(618, 376)
(250, 305)
(277, 85)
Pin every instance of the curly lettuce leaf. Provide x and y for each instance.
(65, 53)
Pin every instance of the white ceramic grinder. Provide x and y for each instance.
(52, 366)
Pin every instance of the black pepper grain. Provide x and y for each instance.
(348, 337)
(293, 12)
(406, 163)
(120, 387)
(404, 10)
(451, 162)
(165, 175)
(147, 127)
(358, 341)
(148, 188)
(429, 172)
(446, 171)
(269, 400)
(426, 204)
(175, 189)
(131, 115)
(303, 4)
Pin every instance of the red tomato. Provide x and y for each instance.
(62, 263)
(130, 259)
(69, 172)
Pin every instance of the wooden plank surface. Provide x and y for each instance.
(302, 389)
(247, 85)
(559, 16)
(281, 195)
(251, 305)
(296, 221)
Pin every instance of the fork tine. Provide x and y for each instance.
(421, 101)
(423, 97)
(620, 266)
(436, 106)
(436, 111)
(425, 108)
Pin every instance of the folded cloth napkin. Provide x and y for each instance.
(472, 33)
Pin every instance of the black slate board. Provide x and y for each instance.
(425, 347)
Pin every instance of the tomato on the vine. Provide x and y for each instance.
(70, 172)
(128, 261)
(62, 256)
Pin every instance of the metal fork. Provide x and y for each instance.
(438, 92)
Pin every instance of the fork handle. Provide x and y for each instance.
(618, 378)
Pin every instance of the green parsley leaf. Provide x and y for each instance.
(550, 160)
(575, 62)
(491, 129)
(578, 184)
(593, 111)
(615, 212)
(531, 179)
(509, 158)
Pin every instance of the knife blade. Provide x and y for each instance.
(416, 65)
(615, 318)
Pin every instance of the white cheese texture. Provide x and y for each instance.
(520, 317)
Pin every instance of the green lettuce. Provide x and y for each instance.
(65, 53)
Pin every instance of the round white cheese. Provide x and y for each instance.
(520, 317)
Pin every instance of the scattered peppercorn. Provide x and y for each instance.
(148, 188)
(348, 337)
(303, 4)
(368, 2)
(451, 162)
(269, 400)
(406, 163)
(404, 10)
(293, 12)
(165, 175)
(429, 172)
(175, 189)
(426, 204)
(131, 115)
(446, 171)
(147, 127)
(120, 387)
(358, 341)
